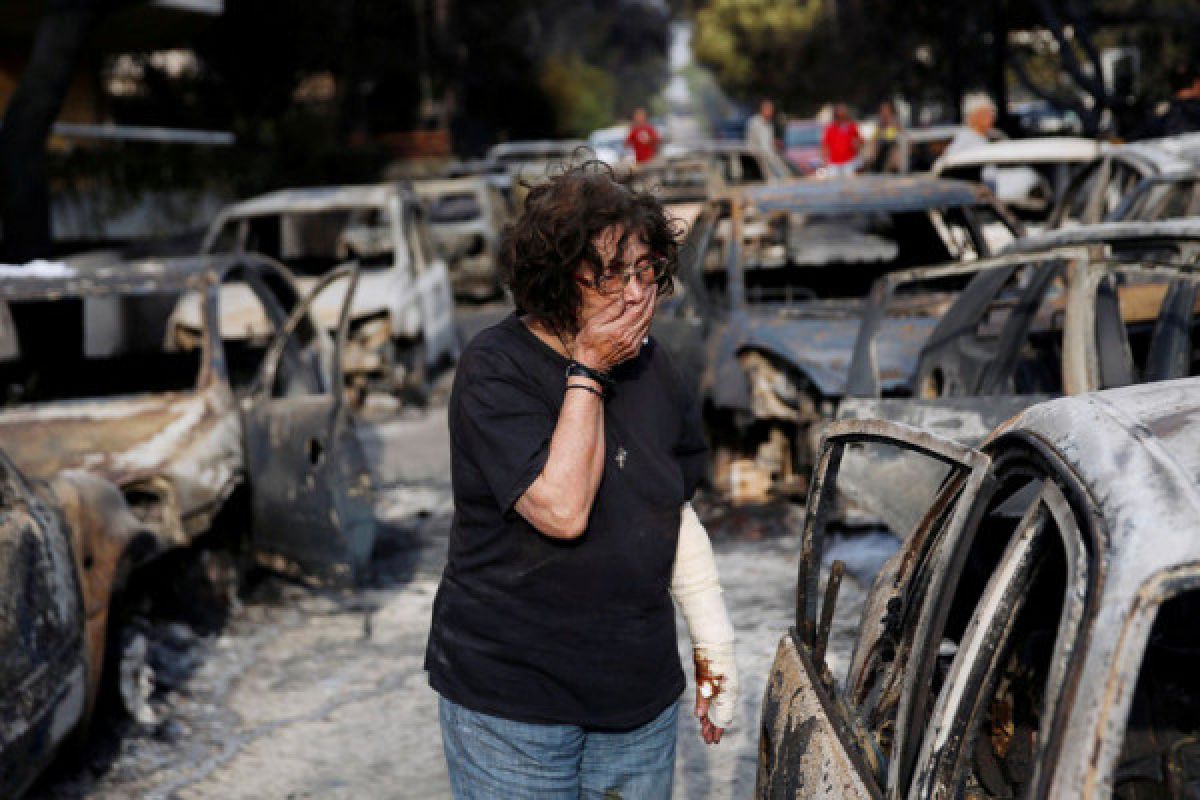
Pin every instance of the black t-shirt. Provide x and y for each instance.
(536, 629)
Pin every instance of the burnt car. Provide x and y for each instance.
(1029, 176)
(1034, 636)
(47, 678)
(737, 163)
(681, 184)
(101, 375)
(136, 433)
(1168, 196)
(466, 216)
(767, 302)
(1096, 193)
(402, 321)
(1074, 311)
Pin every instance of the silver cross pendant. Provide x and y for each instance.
(621, 456)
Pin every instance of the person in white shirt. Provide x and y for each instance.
(760, 129)
(979, 113)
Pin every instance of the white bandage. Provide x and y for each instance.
(697, 591)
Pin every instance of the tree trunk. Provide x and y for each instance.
(24, 179)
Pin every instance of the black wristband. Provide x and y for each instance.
(577, 370)
(586, 388)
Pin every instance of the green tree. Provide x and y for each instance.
(583, 95)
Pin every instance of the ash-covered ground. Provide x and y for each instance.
(293, 692)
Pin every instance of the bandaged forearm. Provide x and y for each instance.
(697, 591)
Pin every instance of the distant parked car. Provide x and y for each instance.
(608, 144)
(802, 145)
(770, 287)
(466, 216)
(402, 320)
(1034, 635)
(682, 184)
(738, 163)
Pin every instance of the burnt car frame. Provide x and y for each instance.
(1096, 192)
(138, 433)
(402, 321)
(768, 296)
(1117, 308)
(1034, 636)
(179, 419)
(466, 216)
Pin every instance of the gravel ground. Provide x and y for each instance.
(304, 693)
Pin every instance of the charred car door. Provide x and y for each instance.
(818, 740)
(310, 491)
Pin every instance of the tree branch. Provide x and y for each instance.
(1066, 49)
(1090, 117)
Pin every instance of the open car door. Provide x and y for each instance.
(820, 739)
(311, 499)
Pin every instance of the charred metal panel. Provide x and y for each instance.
(311, 495)
(108, 541)
(865, 193)
(803, 752)
(965, 420)
(41, 627)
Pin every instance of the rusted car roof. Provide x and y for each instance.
(865, 193)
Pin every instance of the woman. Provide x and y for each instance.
(575, 451)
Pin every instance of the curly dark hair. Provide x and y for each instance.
(552, 240)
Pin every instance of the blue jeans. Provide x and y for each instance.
(489, 757)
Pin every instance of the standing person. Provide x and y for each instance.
(760, 128)
(886, 141)
(575, 449)
(841, 143)
(643, 138)
(1182, 114)
(979, 113)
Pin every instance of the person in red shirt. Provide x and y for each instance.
(643, 139)
(841, 143)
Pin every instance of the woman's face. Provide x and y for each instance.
(633, 255)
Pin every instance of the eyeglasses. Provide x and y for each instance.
(647, 270)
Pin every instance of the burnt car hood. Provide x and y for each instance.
(120, 438)
(819, 342)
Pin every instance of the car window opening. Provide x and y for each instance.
(98, 346)
(1160, 752)
(312, 243)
